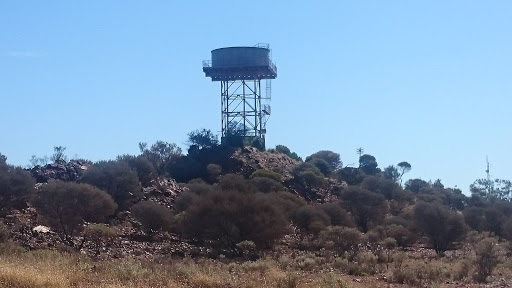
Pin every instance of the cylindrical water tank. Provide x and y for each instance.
(240, 57)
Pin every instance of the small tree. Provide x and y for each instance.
(98, 234)
(285, 150)
(368, 164)
(332, 159)
(367, 208)
(404, 167)
(487, 258)
(144, 168)
(337, 215)
(67, 205)
(440, 225)
(153, 217)
(415, 185)
(343, 240)
(35, 161)
(162, 154)
(267, 174)
(58, 154)
(497, 189)
(383, 186)
(391, 173)
(16, 186)
(203, 138)
(309, 176)
(351, 175)
(311, 219)
(226, 217)
(117, 179)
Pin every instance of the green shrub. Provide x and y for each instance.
(161, 154)
(309, 176)
(367, 208)
(330, 158)
(98, 234)
(266, 185)
(287, 202)
(344, 241)
(117, 179)
(285, 150)
(5, 234)
(337, 215)
(67, 205)
(16, 187)
(144, 168)
(267, 174)
(229, 216)
(440, 225)
(153, 217)
(487, 258)
(311, 219)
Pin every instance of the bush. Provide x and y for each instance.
(5, 234)
(214, 171)
(98, 234)
(507, 229)
(439, 224)
(285, 150)
(203, 138)
(187, 168)
(311, 219)
(322, 165)
(229, 216)
(286, 202)
(266, 174)
(343, 240)
(309, 176)
(330, 158)
(16, 187)
(385, 187)
(487, 258)
(162, 155)
(144, 168)
(367, 208)
(337, 215)
(474, 217)
(234, 182)
(266, 185)
(67, 205)
(153, 217)
(117, 179)
(402, 236)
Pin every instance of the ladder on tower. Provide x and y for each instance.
(268, 89)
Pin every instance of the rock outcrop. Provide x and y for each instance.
(249, 159)
(59, 170)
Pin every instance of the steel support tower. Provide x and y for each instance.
(240, 71)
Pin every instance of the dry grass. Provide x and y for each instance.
(44, 268)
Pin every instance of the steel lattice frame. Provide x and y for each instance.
(241, 108)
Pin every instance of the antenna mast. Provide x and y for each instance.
(488, 172)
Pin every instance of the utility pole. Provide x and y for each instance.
(360, 151)
(488, 172)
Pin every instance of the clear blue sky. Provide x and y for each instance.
(428, 82)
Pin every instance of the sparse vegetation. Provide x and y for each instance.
(302, 219)
(67, 205)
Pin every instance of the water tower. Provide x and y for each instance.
(240, 71)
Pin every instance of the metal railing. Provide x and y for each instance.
(208, 64)
(262, 45)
